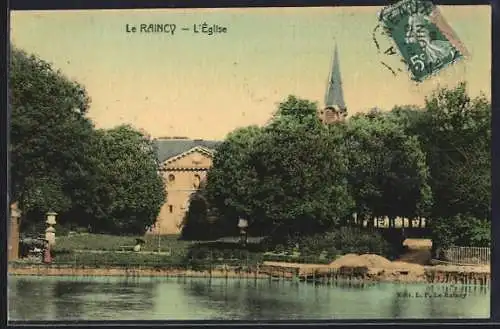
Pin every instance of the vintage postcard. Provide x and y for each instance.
(250, 163)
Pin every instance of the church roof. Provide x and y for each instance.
(168, 148)
(334, 94)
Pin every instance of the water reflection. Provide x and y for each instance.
(52, 298)
(25, 290)
(75, 299)
(279, 300)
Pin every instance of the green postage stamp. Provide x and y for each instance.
(424, 39)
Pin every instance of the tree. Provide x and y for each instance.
(456, 135)
(196, 225)
(230, 176)
(388, 174)
(128, 188)
(287, 177)
(108, 179)
(457, 139)
(296, 113)
(300, 185)
(48, 135)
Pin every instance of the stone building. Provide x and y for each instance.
(184, 165)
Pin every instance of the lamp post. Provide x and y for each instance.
(50, 232)
(243, 225)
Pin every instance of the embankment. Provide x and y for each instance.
(54, 270)
(370, 267)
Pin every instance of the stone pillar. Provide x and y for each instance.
(50, 232)
(13, 246)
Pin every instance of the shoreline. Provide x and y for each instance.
(431, 274)
(50, 270)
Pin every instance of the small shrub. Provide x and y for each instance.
(203, 253)
(217, 254)
(279, 248)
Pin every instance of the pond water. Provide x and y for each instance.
(114, 298)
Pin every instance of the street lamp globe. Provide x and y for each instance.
(242, 223)
(51, 218)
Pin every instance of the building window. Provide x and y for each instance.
(197, 180)
(171, 178)
(171, 208)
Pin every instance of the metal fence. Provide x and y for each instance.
(466, 255)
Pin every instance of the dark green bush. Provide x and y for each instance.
(279, 248)
(216, 254)
(343, 241)
(461, 230)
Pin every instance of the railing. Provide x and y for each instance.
(466, 255)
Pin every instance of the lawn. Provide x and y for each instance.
(102, 249)
(104, 242)
(106, 250)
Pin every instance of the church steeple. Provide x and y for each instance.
(335, 108)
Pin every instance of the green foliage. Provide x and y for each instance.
(324, 248)
(129, 192)
(388, 173)
(105, 179)
(457, 140)
(345, 240)
(105, 242)
(283, 176)
(296, 113)
(230, 176)
(197, 223)
(118, 259)
(296, 176)
(462, 230)
(455, 133)
(49, 133)
(292, 177)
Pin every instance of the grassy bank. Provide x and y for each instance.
(105, 242)
(100, 250)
